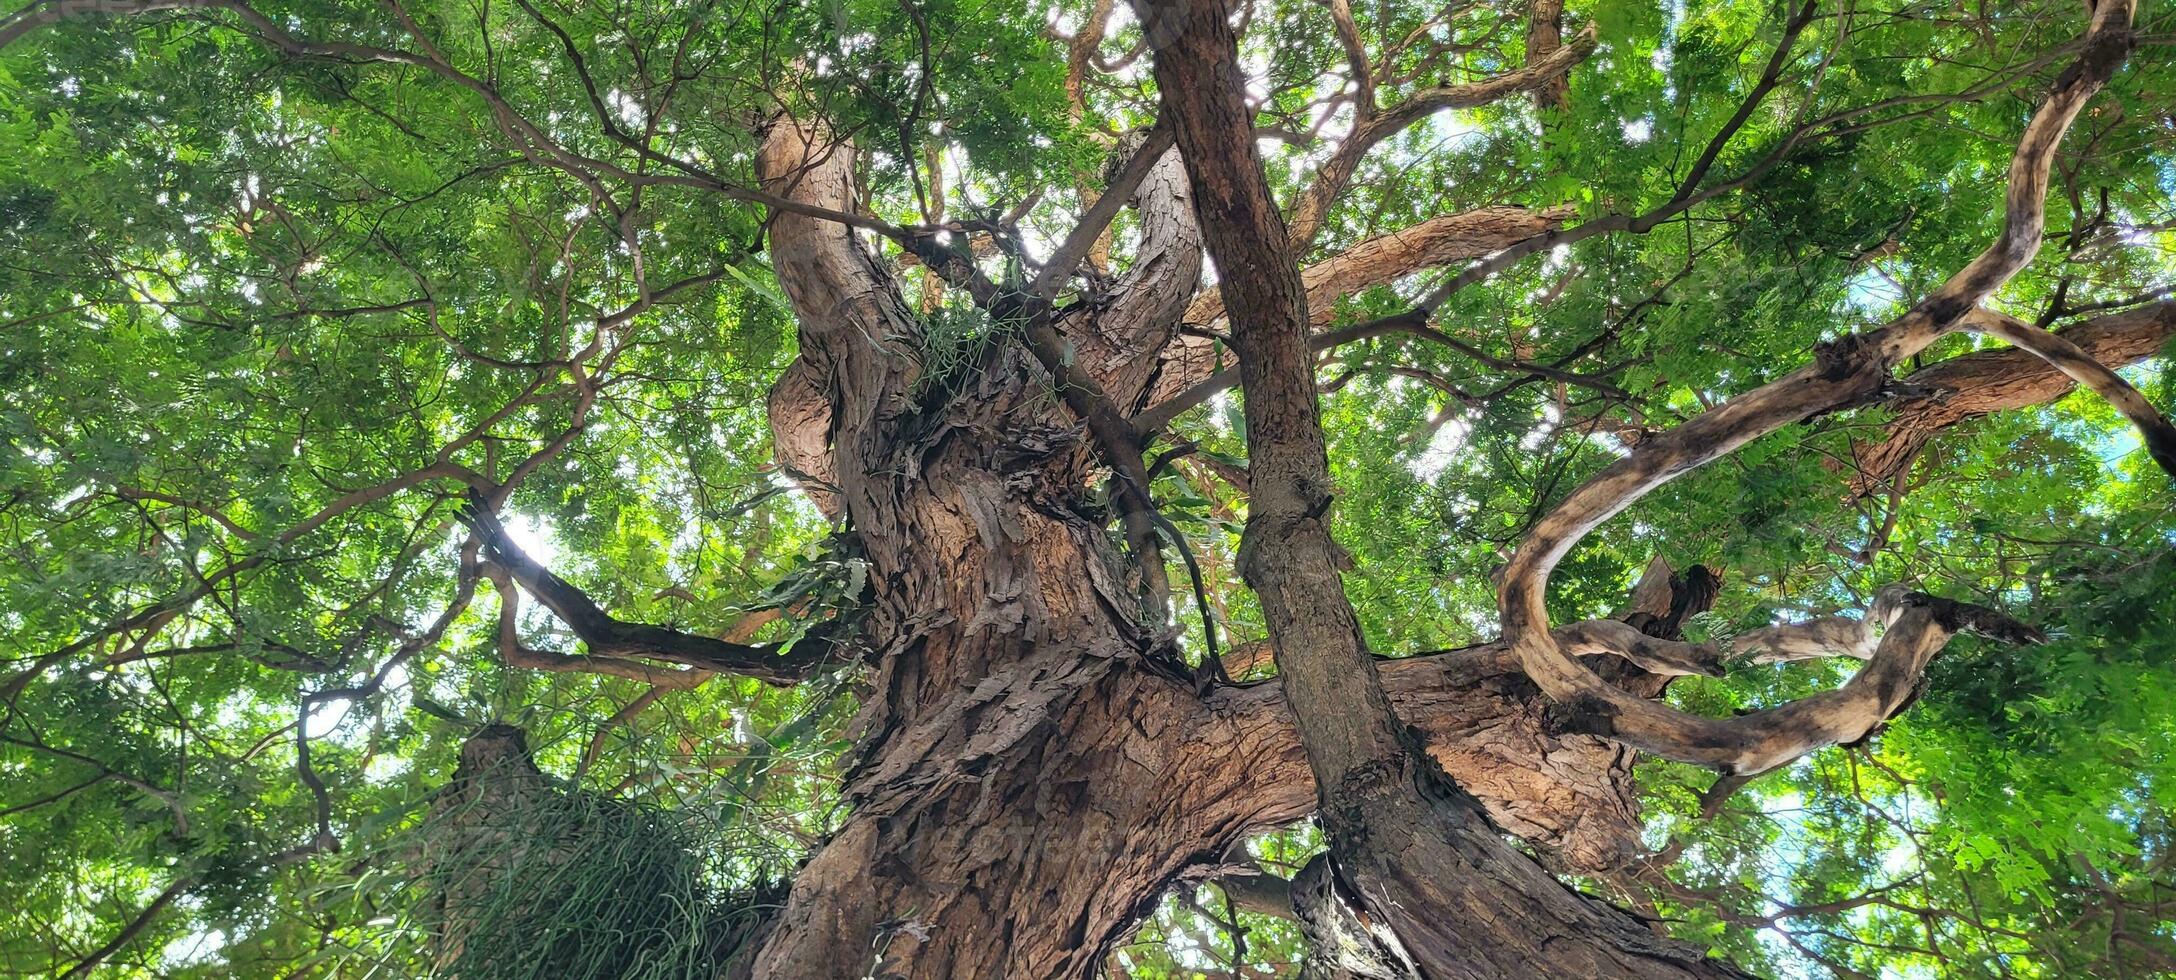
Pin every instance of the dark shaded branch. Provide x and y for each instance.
(171, 799)
(129, 932)
(1082, 239)
(1417, 326)
(610, 637)
(1261, 893)
(1407, 846)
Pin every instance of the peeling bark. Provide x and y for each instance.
(1013, 796)
(800, 420)
(1034, 768)
(1124, 334)
(1033, 772)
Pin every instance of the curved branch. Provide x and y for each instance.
(135, 927)
(1846, 374)
(1356, 57)
(1193, 368)
(799, 414)
(1147, 302)
(859, 340)
(1916, 628)
(612, 638)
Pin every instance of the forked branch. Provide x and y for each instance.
(1374, 127)
(2000, 380)
(2064, 356)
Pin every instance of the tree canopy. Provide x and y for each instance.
(372, 373)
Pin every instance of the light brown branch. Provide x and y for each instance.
(1847, 374)
(1194, 366)
(2158, 435)
(1391, 256)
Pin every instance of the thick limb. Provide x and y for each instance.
(1406, 844)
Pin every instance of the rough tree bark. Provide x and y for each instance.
(1999, 380)
(1440, 892)
(1019, 793)
(1035, 764)
(1035, 767)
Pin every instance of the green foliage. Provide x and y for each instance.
(955, 343)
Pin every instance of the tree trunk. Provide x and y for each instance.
(1409, 849)
(1014, 796)
(1036, 774)
(1035, 767)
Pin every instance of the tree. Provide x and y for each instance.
(844, 384)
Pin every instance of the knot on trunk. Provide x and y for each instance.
(496, 751)
(1269, 548)
(1580, 716)
(1856, 363)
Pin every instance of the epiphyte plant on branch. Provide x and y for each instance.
(1181, 488)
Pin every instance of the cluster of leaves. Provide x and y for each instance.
(507, 872)
(252, 304)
